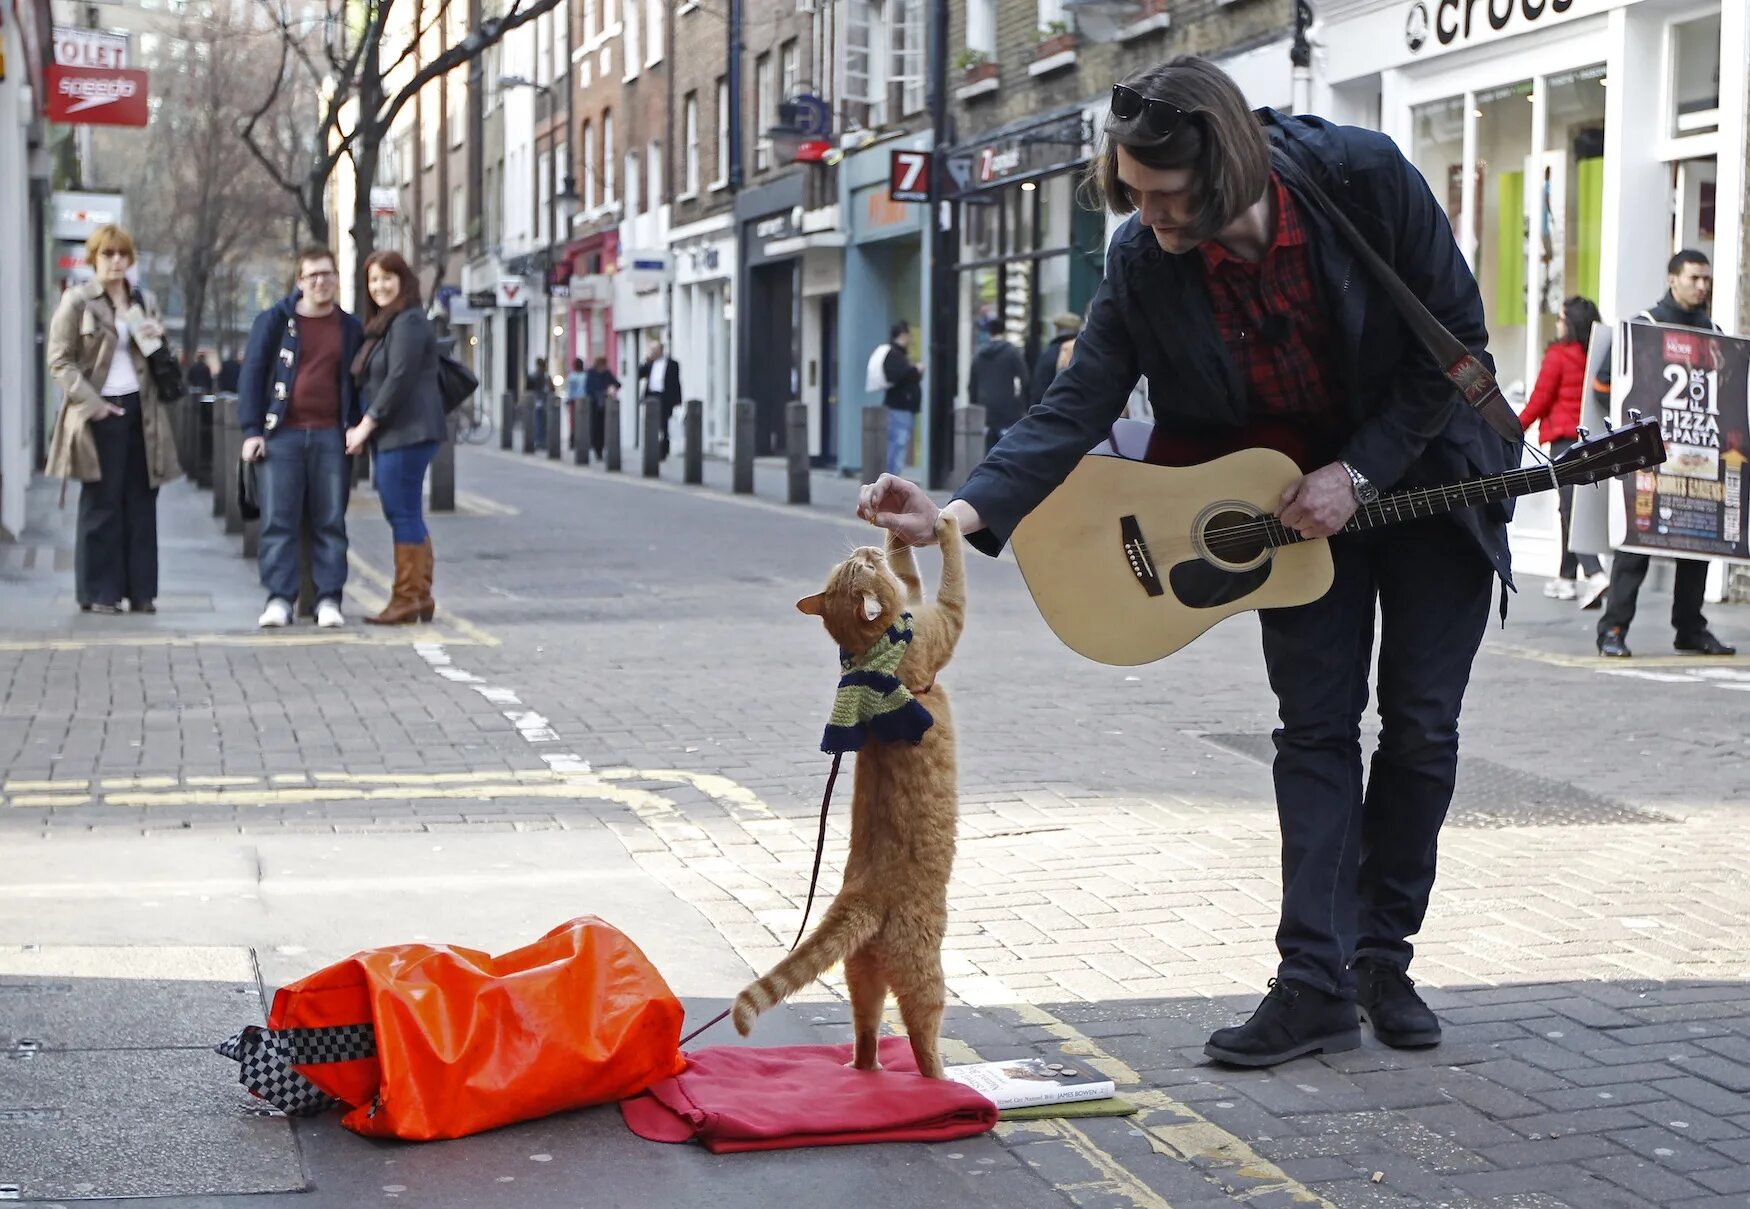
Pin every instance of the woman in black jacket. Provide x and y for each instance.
(397, 369)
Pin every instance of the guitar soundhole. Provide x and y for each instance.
(1232, 539)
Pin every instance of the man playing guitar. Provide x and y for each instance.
(1254, 323)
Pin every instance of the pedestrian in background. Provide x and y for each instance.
(905, 396)
(396, 369)
(600, 385)
(660, 375)
(295, 399)
(576, 397)
(113, 433)
(1053, 356)
(230, 370)
(538, 387)
(1555, 409)
(997, 382)
(199, 375)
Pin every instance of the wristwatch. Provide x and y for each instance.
(1365, 491)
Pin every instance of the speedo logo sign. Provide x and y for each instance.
(86, 93)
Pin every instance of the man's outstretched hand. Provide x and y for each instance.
(901, 507)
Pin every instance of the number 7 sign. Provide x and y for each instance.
(908, 177)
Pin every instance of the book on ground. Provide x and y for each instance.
(1023, 1082)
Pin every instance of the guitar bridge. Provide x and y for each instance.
(1142, 563)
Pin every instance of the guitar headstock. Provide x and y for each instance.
(1634, 446)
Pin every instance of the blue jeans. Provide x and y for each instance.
(899, 426)
(401, 488)
(304, 477)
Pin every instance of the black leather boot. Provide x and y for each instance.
(1294, 1019)
(1390, 1004)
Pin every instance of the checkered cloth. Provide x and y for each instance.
(269, 1060)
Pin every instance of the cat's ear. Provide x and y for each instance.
(872, 607)
(814, 606)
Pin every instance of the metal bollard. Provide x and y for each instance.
(506, 421)
(968, 443)
(742, 439)
(796, 449)
(693, 422)
(652, 409)
(233, 456)
(611, 437)
(219, 421)
(583, 432)
(201, 438)
(874, 443)
(555, 428)
(443, 475)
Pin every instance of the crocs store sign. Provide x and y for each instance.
(1435, 25)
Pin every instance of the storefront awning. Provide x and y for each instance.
(1024, 150)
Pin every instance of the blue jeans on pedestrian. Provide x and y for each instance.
(304, 476)
(401, 488)
(899, 427)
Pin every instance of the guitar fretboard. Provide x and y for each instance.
(1431, 501)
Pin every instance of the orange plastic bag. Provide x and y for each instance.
(466, 1041)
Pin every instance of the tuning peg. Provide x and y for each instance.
(1634, 414)
(1607, 427)
(1585, 433)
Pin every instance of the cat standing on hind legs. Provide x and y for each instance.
(891, 913)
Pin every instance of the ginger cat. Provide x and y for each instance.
(891, 913)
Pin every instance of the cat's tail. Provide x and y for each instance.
(847, 926)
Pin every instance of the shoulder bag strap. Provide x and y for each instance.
(1462, 369)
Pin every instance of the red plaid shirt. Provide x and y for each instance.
(1271, 318)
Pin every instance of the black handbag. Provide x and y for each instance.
(248, 490)
(166, 375)
(455, 382)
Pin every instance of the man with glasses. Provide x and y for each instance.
(1254, 323)
(295, 401)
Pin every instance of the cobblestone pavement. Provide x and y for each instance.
(624, 657)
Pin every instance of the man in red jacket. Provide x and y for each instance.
(1555, 408)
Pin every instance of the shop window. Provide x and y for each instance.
(1503, 117)
(1438, 153)
(1568, 211)
(1695, 77)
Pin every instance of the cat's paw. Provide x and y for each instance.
(852, 1065)
(947, 528)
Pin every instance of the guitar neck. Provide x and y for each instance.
(1433, 501)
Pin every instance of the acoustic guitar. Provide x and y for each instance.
(1129, 560)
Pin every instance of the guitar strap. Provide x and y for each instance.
(1462, 369)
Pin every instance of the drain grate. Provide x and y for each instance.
(1494, 795)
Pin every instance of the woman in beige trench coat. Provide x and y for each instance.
(113, 433)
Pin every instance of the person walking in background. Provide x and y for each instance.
(396, 369)
(538, 387)
(1555, 409)
(113, 432)
(997, 382)
(576, 395)
(1052, 357)
(295, 399)
(660, 375)
(230, 371)
(1689, 282)
(199, 375)
(905, 396)
(600, 385)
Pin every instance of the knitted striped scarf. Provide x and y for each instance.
(871, 702)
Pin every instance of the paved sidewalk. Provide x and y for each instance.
(622, 716)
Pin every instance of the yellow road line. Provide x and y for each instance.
(1599, 662)
(28, 786)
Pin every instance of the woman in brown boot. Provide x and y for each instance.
(404, 424)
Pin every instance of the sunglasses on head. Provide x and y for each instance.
(1158, 118)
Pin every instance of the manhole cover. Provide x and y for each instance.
(1494, 795)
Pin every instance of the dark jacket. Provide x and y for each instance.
(668, 390)
(200, 376)
(401, 384)
(1151, 318)
(230, 372)
(997, 382)
(596, 382)
(1045, 369)
(903, 390)
(264, 384)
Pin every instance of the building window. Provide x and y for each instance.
(457, 101)
(653, 165)
(428, 137)
(1695, 77)
(787, 70)
(907, 24)
(458, 216)
(653, 28)
(589, 19)
(981, 26)
(630, 35)
(632, 183)
(764, 112)
(722, 177)
(429, 231)
(590, 162)
(1051, 13)
(690, 132)
(543, 191)
(608, 161)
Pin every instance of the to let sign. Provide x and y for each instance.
(96, 96)
(89, 48)
(908, 177)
